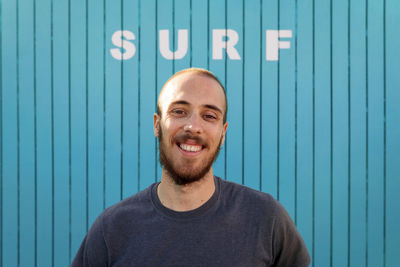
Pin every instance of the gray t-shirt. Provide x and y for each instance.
(237, 226)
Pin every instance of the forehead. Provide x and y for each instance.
(195, 88)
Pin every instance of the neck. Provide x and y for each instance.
(185, 197)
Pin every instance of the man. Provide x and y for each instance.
(192, 218)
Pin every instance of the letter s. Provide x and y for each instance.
(130, 48)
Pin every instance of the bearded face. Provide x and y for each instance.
(182, 175)
(190, 127)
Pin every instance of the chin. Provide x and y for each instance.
(187, 176)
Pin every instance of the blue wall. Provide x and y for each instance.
(319, 128)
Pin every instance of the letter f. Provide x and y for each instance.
(273, 43)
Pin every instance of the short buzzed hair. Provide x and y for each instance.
(201, 72)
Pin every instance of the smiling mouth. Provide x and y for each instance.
(190, 148)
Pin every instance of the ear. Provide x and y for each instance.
(224, 132)
(156, 128)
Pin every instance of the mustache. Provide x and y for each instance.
(186, 136)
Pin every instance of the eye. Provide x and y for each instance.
(178, 112)
(211, 117)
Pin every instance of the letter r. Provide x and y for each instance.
(229, 45)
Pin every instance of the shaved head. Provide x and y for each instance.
(192, 71)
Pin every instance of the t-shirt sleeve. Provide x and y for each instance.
(289, 249)
(93, 249)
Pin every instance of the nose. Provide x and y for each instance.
(193, 125)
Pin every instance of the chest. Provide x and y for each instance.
(223, 242)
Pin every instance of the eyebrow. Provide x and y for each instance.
(183, 102)
(214, 108)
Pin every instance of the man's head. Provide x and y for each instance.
(198, 71)
(190, 123)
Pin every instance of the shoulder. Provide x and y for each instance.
(271, 219)
(241, 193)
(110, 227)
(132, 207)
(249, 200)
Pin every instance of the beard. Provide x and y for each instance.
(186, 174)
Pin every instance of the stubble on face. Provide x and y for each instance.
(184, 175)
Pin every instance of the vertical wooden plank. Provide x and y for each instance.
(62, 252)
(375, 143)
(357, 198)
(199, 34)
(26, 134)
(251, 79)
(95, 101)
(303, 39)
(113, 122)
(234, 91)
(10, 147)
(287, 182)
(269, 107)
(130, 104)
(1, 138)
(322, 133)
(78, 129)
(147, 60)
(44, 134)
(340, 133)
(392, 97)
(181, 22)
(217, 20)
(165, 67)
(165, 20)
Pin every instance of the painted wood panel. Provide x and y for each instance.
(315, 122)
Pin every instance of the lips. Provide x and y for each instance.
(190, 148)
(190, 144)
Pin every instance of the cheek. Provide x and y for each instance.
(169, 130)
(217, 136)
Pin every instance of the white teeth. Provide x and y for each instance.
(190, 148)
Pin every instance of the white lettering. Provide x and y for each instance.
(221, 39)
(129, 47)
(182, 44)
(219, 43)
(273, 43)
